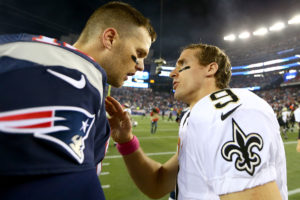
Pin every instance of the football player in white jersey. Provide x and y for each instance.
(297, 119)
(229, 142)
(285, 118)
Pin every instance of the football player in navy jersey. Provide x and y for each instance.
(53, 127)
(229, 141)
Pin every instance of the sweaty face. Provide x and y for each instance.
(128, 56)
(188, 77)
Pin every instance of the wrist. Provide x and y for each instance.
(125, 140)
(128, 147)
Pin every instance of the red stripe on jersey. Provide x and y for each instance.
(41, 125)
(32, 115)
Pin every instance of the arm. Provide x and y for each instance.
(268, 191)
(152, 178)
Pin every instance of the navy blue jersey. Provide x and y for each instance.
(83, 185)
(52, 113)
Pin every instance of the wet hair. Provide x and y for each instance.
(118, 15)
(207, 54)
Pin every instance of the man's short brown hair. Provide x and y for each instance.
(207, 54)
(118, 15)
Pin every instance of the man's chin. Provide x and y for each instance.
(116, 84)
(177, 96)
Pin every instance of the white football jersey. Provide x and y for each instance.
(128, 110)
(230, 141)
(297, 114)
(285, 116)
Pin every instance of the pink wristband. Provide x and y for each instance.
(128, 147)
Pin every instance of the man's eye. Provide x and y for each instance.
(134, 59)
(184, 68)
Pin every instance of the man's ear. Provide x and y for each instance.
(212, 69)
(108, 37)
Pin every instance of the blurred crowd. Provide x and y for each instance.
(147, 99)
(280, 98)
(269, 80)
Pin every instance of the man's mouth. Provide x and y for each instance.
(130, 74)
(175, 84)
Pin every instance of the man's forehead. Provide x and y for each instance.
(186, 55)
(143, 39)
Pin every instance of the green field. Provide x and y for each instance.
(119, 186)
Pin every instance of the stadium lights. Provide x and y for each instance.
(253, 88)
(139, 81)
(271, 62)
(290, 76)
(261, 31)
(266, 63)
(165, 73)
(269, 69)
(230, 37)
(159, 62)
(167, 68)
(294, 20)
(244, 35)
(255, 65)
(277, 26)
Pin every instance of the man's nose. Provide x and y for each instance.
(140, 65)
(173, 73)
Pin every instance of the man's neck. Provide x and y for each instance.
(203, 94)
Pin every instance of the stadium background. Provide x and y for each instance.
(268, 65)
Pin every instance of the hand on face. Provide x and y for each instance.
(120, 123)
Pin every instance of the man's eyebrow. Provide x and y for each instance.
(142, 51)
(180, 62)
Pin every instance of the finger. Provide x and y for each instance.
(115, 103)
(109, 111)
(112, 111)
(109, 107)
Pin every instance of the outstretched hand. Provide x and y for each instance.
(119, 120)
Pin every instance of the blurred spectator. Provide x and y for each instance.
(170, 115)
(145, 99)
(154, 116)
(297, 119)
(285, 118)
